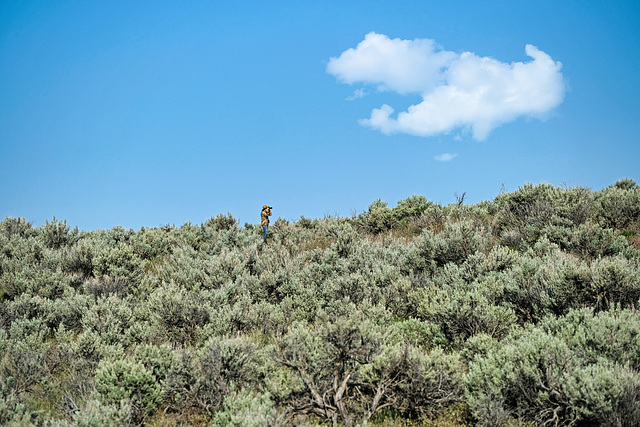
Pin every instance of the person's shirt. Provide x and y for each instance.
(266, 213)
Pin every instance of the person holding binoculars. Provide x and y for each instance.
(266, 213)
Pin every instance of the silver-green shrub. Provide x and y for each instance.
(618, 206)
(131, 382)
(561, 373)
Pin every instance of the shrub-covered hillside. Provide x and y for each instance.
(519, 311)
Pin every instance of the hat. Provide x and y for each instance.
(265, 207)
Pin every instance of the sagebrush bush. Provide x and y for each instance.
(13, 411)
(531, 208)
(550, 376)
(177, 315)
(128, 381)
(618, 206)
(94, 413)
(57, 234)
(246, 409)
(24, 357)
(225, 365)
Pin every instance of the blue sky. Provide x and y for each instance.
(146, 113)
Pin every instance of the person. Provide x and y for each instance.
(266, 213)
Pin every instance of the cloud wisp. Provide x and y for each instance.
(458, 90)
(445, 157)
(357, 94)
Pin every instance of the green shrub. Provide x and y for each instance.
(225, 365)
(177, 316)
(181, 385)
(527, 211)
(587, 240)
(246, 409)
(411, 382)
(105, 286)
(462, 310)
(15, 226)
(128, 381)
(615, 282)
(546, 281)
(324, 359)
(109, 318)
(24, 359)
(612, 334)
(67, 310)
(220, 222)
(537, 375)
(56, 234)
(119, 261)
(94, 413)
(78, 258)
(378, 218)
(13, 411)
(156, 359)
(618, 206)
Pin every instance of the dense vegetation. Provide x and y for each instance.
(517, 311)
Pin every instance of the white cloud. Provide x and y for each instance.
(445, 157)
(458, 90)
(403, 66)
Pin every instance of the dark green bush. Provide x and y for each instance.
(220, 222)
(523, 214)
(378, 218)
(618, 206)
(57, 234)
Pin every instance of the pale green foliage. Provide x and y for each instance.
(24, 356)
(109, 318)
(15, 226)
(13, 412)
(380, 218)
(56, 234)
(128, 381)
(565, 371)
(372, 319)
(385, 371)
(177, 315)
(225, 364)
(247, 410)
(615, 281)
(522, 215)
(94, 413)
(618, 206)
(221, 222)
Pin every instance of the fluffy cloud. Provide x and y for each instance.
(458, 90)
(403, 66)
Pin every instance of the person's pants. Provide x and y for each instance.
(265, 229)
